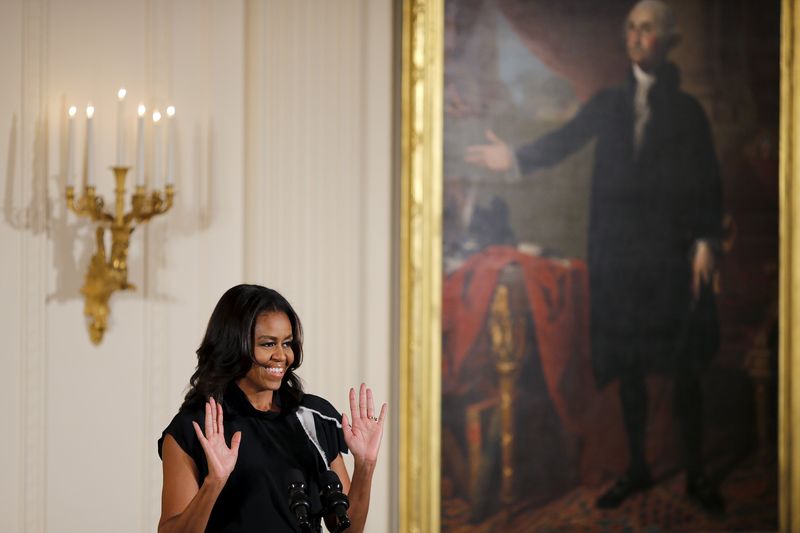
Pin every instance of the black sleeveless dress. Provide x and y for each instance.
(255, 497)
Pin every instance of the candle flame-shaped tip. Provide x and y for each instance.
(121, 93)
(156, 116)
(72, 110)
(171, 111)
(141, 110)
(90, 111)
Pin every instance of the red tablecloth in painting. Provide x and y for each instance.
(558, 296)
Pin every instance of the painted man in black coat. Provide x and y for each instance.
(654, 223)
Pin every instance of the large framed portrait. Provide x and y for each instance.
(598, 266)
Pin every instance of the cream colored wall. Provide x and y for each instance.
(283, 177)
(318, 184)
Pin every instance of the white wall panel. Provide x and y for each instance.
(86, 418)
(283, 173)
(23, 288)
(32, 182)
(94, 395)
(319, 177)
(11, 267)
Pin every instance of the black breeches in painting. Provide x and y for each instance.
(688, 402)
(688, 409)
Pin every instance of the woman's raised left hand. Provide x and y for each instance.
(363, 435)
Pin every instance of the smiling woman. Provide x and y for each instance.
(272, 356)
(234, 476)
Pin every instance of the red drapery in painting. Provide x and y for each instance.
(557, 293)
(580, 41)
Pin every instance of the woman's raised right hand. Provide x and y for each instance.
(220, 458)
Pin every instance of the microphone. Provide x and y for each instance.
(299, 503)
(334, 501)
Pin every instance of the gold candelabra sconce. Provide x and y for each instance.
(108, 273)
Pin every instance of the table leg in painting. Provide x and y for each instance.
(507, 353)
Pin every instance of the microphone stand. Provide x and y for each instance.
(334, 501)
(300, 503)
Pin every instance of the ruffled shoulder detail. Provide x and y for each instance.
(323, 425)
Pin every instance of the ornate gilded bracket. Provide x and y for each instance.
(107, 274)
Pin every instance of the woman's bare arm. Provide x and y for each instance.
(186, 503)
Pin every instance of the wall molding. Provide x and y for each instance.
(33, 185)
(155, 331)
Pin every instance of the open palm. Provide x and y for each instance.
(363, 436)
(220, 458)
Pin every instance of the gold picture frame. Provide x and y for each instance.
(421, 270)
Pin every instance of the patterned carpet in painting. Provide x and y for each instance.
(750, 494)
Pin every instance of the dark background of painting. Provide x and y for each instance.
(522, 68)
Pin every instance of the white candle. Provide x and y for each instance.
(156, 149)
(71, 145)
(171, 145)
(120, 130)
(89, 146)
(140, 146)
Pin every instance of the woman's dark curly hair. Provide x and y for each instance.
(226, 353)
